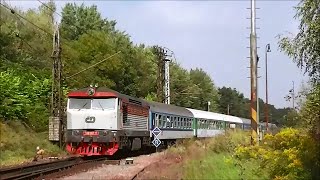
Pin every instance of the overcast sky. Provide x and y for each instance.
(211, 35)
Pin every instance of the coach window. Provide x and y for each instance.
(156, 120)
(215, 125)
(188, 120)
(183, 123)
(164, 121)
(177, 122)
(167, 123)
(159, 120)
(186, 123)
(171, 121)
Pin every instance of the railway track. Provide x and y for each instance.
(42, 169)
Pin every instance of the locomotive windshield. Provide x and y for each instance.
(103, 103)
(100, 104)
(79, 103)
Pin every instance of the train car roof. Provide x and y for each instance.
(206, 115)
(233, 119)
(246, 121)
(169, 109)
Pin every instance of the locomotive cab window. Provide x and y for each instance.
(75, 103)
(102, 104)
(97, 104)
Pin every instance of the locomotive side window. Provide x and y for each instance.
(79, 103)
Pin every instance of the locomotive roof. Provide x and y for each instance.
(103, 92)
(169, 109)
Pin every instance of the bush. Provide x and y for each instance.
(289, 154)
(211, 158)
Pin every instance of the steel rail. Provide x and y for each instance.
(36, 170)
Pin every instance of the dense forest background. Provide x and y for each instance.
(87, 38)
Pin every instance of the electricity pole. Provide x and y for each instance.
(56, 132)
(253, 77)
(266, 104)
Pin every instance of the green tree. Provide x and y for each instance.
(78, 20)
(304, 48)
(234, 101)
(206, 92)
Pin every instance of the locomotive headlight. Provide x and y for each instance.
(105, 133)
(76, 132)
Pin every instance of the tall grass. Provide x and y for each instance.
(212, 158)
(18, 143)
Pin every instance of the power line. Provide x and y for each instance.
(93, 65)
(70, 24)
(17, 14)
(44, 4)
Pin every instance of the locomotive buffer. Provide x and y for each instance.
(156, 142)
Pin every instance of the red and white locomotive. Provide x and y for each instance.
(101, 121)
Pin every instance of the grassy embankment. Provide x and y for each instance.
(212, 158)
(18, 144)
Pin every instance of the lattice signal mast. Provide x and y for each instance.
(163, 80)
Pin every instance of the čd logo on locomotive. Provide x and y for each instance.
(90, 119)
